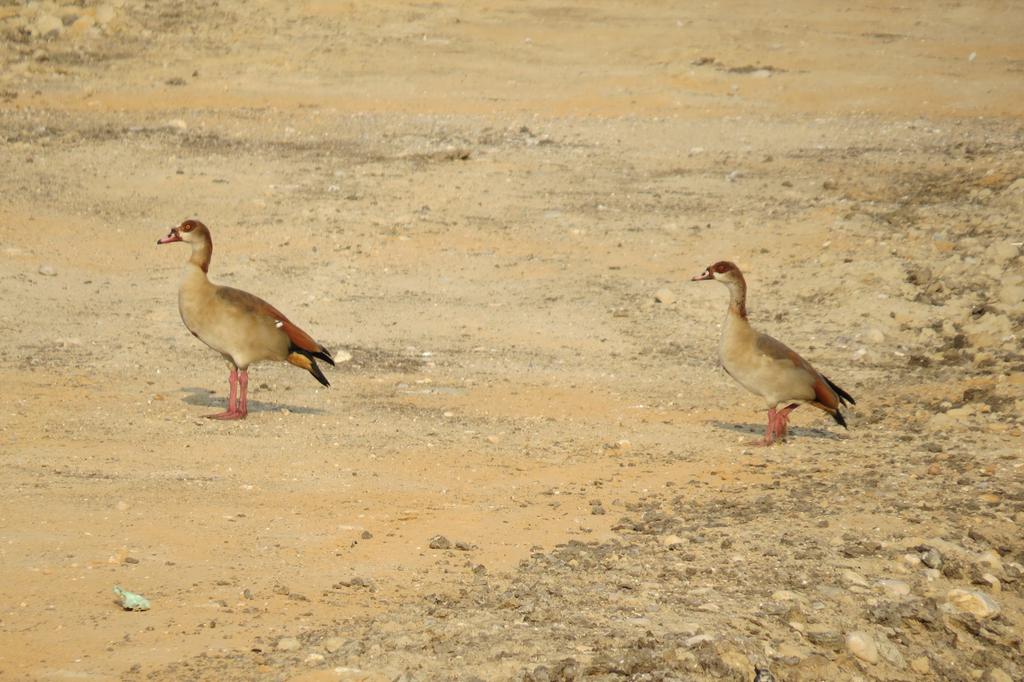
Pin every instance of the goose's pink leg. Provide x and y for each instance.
(243, 406)
(782, 421)
(232, 411)
(769, 433)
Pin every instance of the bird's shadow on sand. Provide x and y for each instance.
(758, 430)
(204, 398)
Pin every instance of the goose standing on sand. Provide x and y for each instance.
(241, 327)
(767, 367)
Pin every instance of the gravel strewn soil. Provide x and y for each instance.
(530, 467)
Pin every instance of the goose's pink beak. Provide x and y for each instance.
(171, 237)
(705, 275)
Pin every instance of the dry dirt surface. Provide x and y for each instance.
(531, 467)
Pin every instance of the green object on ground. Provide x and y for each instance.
(131, 601)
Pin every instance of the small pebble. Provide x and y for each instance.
(672, 541)
(333, 644)
(288, 644)
(862, 646)
(440, 542)
(47, 270)
(976, 603)
(784, 595)
(697, 639)
(931, 558)
(854, 578)
(894, 588)
(997, 675)
(665, 296)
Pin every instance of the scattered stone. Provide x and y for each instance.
(997, 675)
(440, 542)
(672, 541)
(47, 270)
(82, 24)
(921, 665)
(894, 588)
(665, 296)
(1003, 252)
(697, 639)
(992, 582)
(366, 535)
(177, 124)
(785, 595)
(991, 560)
(854, 578)
(333, 644)
(890, 652)
(288, 644)
(464, 546)
(825, 636)
(875, 335)
(736, 661)
(689, 629)
(791, 653)
(976, 603)
(911, 560)
(830, 184)
(862, 646)
(931, 558)
(47, 26)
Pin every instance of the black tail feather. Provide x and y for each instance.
(324, 355)
(314, 369)
(844, 397)
(838, 416)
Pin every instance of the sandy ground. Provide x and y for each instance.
(480, 204)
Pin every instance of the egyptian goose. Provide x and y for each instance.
(241, 327)
(768, 367)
